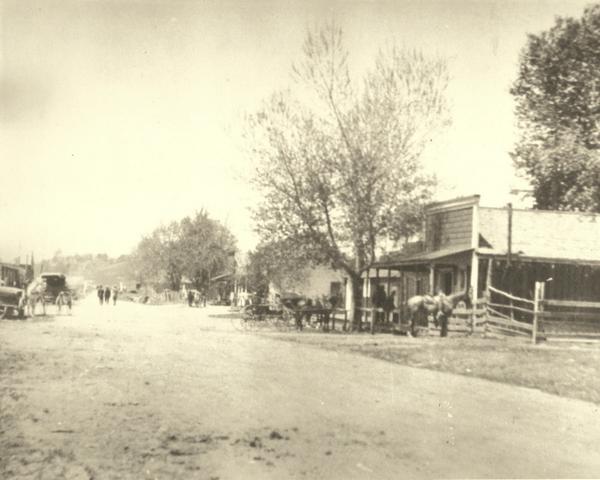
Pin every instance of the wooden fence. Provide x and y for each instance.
(499, 314)
(462, 322)
(510, 315)
(569, 320)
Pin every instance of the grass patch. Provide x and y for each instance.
(567, 370)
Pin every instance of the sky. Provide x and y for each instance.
(119, 116)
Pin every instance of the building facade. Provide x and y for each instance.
(12, 275)
(466, 246)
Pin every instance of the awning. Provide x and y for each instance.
(422, 257)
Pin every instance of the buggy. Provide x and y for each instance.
(292, 311)
(49, 288)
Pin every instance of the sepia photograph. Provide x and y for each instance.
(299, 239)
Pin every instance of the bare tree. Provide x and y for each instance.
(338, 163)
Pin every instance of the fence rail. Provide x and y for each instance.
(570, 303)
(510, 296)
(511, 307)
(507, 315)
(462, 320)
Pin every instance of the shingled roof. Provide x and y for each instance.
(540, 234)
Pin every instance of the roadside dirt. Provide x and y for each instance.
(137, 391)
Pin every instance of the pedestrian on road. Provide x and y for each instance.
(190, 297)
(115, 294)
(107, 295)
(100, 294)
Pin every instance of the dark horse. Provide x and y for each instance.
(440, 306)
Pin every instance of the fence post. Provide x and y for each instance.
(487, 296)
(373, 316)
(485, 321)
(536, 301)
(542, 297)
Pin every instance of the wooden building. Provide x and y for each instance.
(13, 275)
(464, 245)
(319, 282)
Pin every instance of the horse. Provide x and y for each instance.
(64, 299)
(440, 306)
(31, 300)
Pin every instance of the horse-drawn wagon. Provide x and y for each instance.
(12, 302)
(290, 311)
(49, 288)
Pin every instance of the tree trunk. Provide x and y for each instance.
(354, 301)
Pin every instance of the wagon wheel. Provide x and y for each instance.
(3, 311)
(238, 323)
(254, 324)
(246, 317)
(262, 320)
(272, 320)
(249, 321)
(285, 322)
(278, 323)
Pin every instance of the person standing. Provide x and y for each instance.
(100, 294)
(115, 294)
(379, 299)
(107, 295)
(390, 306)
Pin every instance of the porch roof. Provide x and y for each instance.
(422, 258)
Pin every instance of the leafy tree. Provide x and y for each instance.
(160, 257)
(338, 161)
(197, 247)
(277, 262)
(557, 95)
(209, 249)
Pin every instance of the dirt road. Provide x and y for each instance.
(138, 391)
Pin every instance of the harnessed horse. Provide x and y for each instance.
(64, 299)
(439, 306)
(34, 295)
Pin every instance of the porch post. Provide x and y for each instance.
(488, 278)
(474, 278)
(402, 298)
(346, 296)
(373, 304)
(365, 289)
(432, 279)
(474, 258)
(365, 302)
(389, 291)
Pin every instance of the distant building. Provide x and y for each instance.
(319, 281)
(14, 275)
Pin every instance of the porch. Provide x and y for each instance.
(388, 284)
